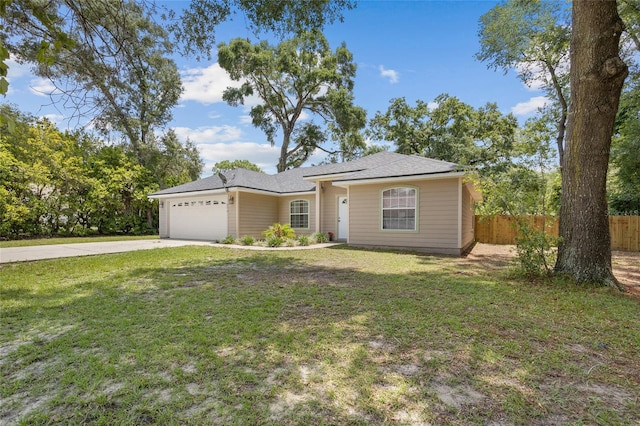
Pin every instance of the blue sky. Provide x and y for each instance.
(411, 49)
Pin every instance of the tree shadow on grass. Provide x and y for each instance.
(339, 336)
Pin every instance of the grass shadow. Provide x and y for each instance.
(338, 336)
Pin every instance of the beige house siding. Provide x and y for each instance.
(437, 213)
(284, 209)
(231, 214)
(163, 219)
(329, 207)
(256, 213)
(467, 217)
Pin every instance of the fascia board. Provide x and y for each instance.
(433, 176)
(188, 194)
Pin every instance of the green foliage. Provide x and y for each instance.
(303, 240)
(235, 164)
(55, 183)
(530, 186)
(274, 241)
(280, 231)
(196, 28)
(532, 38)
(171, 162)
(110, 60)
(320, 238)
(536, 249)
(624, 185)
(300, 75)
(229, 239)
(449, 130)
(247, 240)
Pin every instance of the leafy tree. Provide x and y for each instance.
(528, 187)
(624, 190)
(107, 59)
(42, 177)
(531, 37)
(630, 13)
(170, 162)
(597, 77)
(195, 29)
(450, 131)
(235, 164)
(299, 76)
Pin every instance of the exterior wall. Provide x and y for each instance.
(256, 212)
(437, 213)
(284, 209)
(329, 207)
(231, 214)
(468, 218)
(163, 219)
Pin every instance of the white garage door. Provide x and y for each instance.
(198, 218)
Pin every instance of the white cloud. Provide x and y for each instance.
(54, 118)
(392, 75)
(41, 87)
(432, 105)
(245, 119)
(530, 106)
(206, 85)
(263, 155)
(17, 70)
(211, 134)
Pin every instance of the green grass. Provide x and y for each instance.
(204, 335)
(73, 240)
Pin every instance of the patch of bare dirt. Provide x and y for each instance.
(626, 268)
(626, 265)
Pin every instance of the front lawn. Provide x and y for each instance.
(206, 335)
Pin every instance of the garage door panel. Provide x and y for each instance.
(198, 218)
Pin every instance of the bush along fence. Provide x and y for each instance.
(624, 230)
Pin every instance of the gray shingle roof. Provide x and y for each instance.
(398, 165)
(281, 183)
(379, 165)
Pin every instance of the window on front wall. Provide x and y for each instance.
(399, 209)
(299, 214)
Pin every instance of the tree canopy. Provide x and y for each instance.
(531, 37)
(235, 164)
(304, 90)
(448, 130)
(108, 60)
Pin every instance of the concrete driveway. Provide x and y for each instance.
(22, 254)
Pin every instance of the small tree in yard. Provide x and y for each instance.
(528, 188)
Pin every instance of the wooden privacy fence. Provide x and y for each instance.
(624, 230)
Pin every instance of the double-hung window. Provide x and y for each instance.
(299, 214)
(399, 209)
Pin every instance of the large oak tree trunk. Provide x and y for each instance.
(597, 74)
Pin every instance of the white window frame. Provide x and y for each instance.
(298, 213)
(399, 207)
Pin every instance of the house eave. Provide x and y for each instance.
(404, 178)
(273, 193)
(329, 176)
(188, 194)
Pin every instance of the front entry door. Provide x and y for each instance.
(343, 218)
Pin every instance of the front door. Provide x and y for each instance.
(343, 218)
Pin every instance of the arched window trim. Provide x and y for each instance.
(299, 219)
(396, 216)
